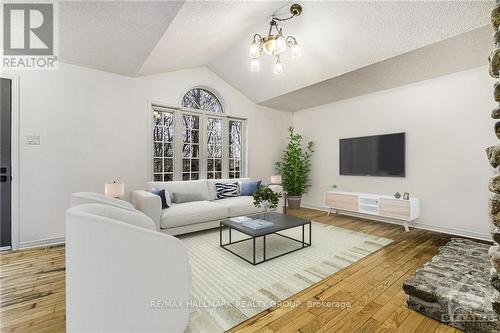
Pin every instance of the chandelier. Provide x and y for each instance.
(274, 43)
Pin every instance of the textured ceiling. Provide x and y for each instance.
(451, 55)
(339, 37)
(203, 30)
(138, 38)
(113, 36)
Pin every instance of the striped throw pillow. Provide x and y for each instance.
(227, 190)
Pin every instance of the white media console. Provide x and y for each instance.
(384, 206)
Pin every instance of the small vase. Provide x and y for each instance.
(265, 205)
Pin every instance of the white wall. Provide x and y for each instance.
(93, 128)
(448, 125)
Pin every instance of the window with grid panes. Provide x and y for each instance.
(208, 143)
(214, 148)
(235, 151)
(163, 145)
(190, 146)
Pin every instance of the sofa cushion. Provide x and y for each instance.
(180, 197)
(161, 194)
(239, 206)
(249, 188)
(211, 185)
(192, 186)
(227, 190)
(192, 212)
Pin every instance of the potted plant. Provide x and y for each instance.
(294, 168)
(266, 198)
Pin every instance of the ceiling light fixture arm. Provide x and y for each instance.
(257, 38)
(291, 41)
(295, 10)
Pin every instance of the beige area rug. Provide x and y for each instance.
(227, 290)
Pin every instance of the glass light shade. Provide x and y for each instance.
(278, 66)
(276, 179)
(296, 51)
(254, 50)
(274, 44)
(114, 189)
(254, 65)
(269, 46)
(280, 45)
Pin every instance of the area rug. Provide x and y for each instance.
(226, 290)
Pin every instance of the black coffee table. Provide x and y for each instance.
(281, 222)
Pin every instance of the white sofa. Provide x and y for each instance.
(202, 214)
(114, 282)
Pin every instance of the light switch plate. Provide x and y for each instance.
(32, 139)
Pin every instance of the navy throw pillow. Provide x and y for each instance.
(161, 194)
(249, 188)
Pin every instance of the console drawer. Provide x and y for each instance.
(341, 201)
(398, 209)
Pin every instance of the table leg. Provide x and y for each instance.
(303, 235)
(229, 235)
(310, 233)
(264, 239)
(254, 250)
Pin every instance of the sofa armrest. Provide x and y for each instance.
(149, 204)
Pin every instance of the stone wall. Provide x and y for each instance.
(454, 288)
(493, 154)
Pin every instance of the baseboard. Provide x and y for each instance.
(42, 242)
(417, 225)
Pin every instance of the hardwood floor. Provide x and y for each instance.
(32, 291)
(372, 286)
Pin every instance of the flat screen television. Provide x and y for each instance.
(378, 155)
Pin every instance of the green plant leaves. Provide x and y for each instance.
(295, 164)
(266, 194)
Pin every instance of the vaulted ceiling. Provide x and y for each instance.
(338, 39)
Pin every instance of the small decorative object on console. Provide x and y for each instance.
(397, 195)
(406, 196)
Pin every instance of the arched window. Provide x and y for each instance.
(197, 141)
(202, 99)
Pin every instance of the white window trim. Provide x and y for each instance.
(203, 140)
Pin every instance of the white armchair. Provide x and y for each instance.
(121, 273)
(80, 198)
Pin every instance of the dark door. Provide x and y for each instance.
(5, 163)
